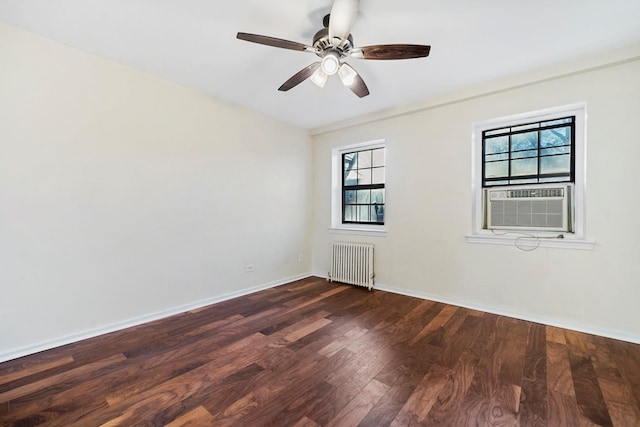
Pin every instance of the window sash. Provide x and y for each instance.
(359, 207)
(540, 155)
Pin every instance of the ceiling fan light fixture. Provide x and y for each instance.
(319, 78)
(347, 74)
(330, 63)
(332, 44)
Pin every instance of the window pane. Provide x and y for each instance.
(377, 196)
(363, 213)
(378, 157)
(349, 197)
(555, 179)
(555, 150)
(524, 167)
(496, 145)
(525, 127)
(377, 213)
(350, 161)
(496, 157)
(364, 196)
(524, 181)
(496, 131)
(524, 141)
(490, 183)
(350, 213)
(555, 164)
(557, 122)
(351, 178)
(364, 177)
(378, 176)
(364, 159)
(496, 169)
(524, 154)
(555, 137)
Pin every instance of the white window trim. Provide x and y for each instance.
(336, 192)
(575, 240)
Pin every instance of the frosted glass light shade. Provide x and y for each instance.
(347, 74)
(319, 77)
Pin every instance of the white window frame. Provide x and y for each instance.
(574, 240)
(336, 191)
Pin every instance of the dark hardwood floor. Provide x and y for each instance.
(312, 353)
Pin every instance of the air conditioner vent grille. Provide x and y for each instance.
(529, 214)
(532, 208)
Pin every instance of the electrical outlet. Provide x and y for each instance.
(300, 257)
(248, 268)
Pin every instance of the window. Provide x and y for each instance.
(521, 165)
(532, 153)
(363, 174)
(358, 188)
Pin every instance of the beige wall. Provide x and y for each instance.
(124, 196)
(429, 205)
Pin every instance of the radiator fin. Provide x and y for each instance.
(352, 263)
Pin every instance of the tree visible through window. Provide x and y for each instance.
(530, 153)
(363, 193)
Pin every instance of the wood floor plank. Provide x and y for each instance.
(474, 335)
(314, 353)
(305, 403)
(559, 379)
(443, 316)
(627, 359)
(420, 402)
(452, 396)
(384, 412)
(195, 418)
(533, 400)
(589, 397)
(360, 405)
(555, 335)
(562, 409)
(73, 374)
(22, 371)
(307, 329)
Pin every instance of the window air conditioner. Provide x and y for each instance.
(529, 208)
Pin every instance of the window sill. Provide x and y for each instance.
(530, 243)
(379, 232)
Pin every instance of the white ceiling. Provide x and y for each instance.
(192, 42)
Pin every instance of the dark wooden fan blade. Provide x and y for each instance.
(299, 77)
(393, 51)
(359, 87)
(272, 41)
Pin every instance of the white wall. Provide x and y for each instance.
(124, 196)
(429, 205)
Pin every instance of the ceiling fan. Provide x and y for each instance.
(332, 44)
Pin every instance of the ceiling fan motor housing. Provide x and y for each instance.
(323, 44)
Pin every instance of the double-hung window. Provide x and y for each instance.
(363, 174)
(529, 176)
(358, 188)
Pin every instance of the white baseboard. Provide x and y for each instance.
(136, 321)
(504, 311)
